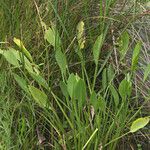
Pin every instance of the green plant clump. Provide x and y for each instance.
(71, 80)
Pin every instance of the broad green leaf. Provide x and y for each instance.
(39, 96)
(135, 56)
(23, 49)
(124, 42)
(97, 48)
(27, 63)
(63, 87)
(101, 103)
(125, 89)
(114, 94)
(94, 101)
(80, 34)
(71, 83)
(61, 60)
(139, 123)
(40, 80)
(13, 57)
(146, 72)
(52, 36)
(10, 57)
(98, 103)
(22, 83)
(80, 93)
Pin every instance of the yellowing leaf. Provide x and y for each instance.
(139, 123)
(19, 43)
(80, 34)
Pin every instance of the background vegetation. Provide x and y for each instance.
(74, 74)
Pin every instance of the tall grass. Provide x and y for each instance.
(66, 83)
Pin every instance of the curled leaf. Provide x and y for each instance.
(19, 43)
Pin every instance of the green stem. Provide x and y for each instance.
(90, 138)
(88, 81)
(116, 139)
(95, 76)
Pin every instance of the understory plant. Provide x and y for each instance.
(84, 114)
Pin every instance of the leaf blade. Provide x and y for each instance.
(135, 56)
(97, 48)
(39, 96)
(138, 124)
(21, 82)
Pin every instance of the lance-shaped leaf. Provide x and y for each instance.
(139, 123)
(71, 84)
(124, 42)
(39, 79)
(21, 82)
(52, 36)
(61, 60)
(10, 57)
(80, 93)
(13, 57)
(114, 94)
(64, 90)
(135, 56)
(97, 48)
(94, 101)
(98, 103)
(146, 72)
(39, 96)
(125, 88)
